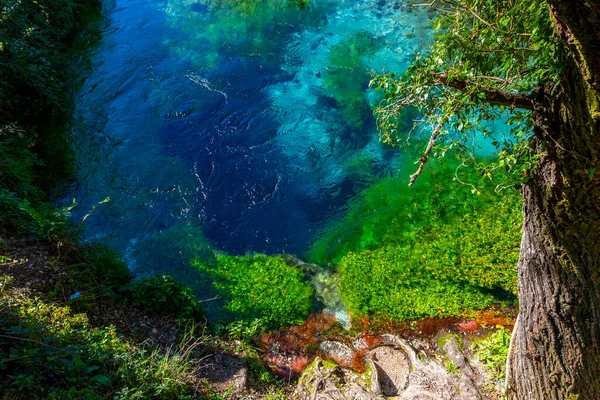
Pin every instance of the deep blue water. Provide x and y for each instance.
(200, 118)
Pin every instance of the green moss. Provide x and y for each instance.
(365, 379)
(443, 339)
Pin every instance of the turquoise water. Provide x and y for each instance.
(249, 128)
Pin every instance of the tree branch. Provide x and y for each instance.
(494, 97)
(423, 160)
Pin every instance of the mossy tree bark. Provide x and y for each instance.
(555, 350)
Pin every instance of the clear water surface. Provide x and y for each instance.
(244, 126)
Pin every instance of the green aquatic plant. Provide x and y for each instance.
(250, 28)
(408, 253)
(439, 270)
(263, 287)
(361, 166)
(346, 76)
(177, 245)
(390, 212)
(402, 284)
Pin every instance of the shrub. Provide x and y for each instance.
(263, 287)
(163, 294)
(107, 266)
(46, 351)
(492, 351)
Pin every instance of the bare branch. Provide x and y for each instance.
(423, 160)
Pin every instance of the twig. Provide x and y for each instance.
(425, 155)
(211, 299)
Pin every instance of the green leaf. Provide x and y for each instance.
(102, 379)
(92, 369)
(591, 171)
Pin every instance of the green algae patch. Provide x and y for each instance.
(390, 212)
(249, 28)
(181, 243)
(263, 287)
(346, 78)
(434, 250)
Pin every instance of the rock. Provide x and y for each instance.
(393, 369)
(397, 369)
(337, 351)
(325, 380)
(467, 385)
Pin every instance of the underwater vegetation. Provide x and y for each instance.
(409, 253)
(175, 246)
(346, 76)
(262, 287)
(249, 28)
(389, 211)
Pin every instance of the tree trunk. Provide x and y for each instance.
(555, 349)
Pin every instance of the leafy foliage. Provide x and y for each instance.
(49, 352)
(263, 287)
(106, 266)
(34, 104)
(480, 46)
(492, 351)
(163, 294)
